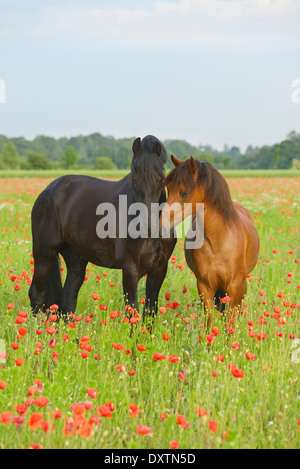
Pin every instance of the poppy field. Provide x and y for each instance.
(101, 379)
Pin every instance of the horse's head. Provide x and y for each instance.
(147, 169)
(183, 192)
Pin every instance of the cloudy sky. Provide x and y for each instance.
(209, 71)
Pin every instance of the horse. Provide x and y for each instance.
(64, 222)
(230, 245)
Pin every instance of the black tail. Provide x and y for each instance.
(219, 305)
(54, 287)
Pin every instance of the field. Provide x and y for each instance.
(96, 381)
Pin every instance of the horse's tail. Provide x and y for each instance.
(217, 298)
(54, 286)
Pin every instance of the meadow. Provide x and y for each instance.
(99, 380)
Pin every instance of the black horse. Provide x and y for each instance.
(64, 221)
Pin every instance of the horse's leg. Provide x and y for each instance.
(46, 274)
(237, 291)
(153, 285)
(130, 283)
(76, 268)
(207, 296)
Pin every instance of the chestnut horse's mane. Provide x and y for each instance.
(217, 192)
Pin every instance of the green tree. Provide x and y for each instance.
(103, 162)
(207, 157)
(10, 156)
(70, 157)
(275, 156)
(38, 161)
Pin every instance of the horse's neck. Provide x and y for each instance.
(214, 223)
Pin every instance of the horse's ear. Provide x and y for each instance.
(175, 161)
(157, 148)
(136, 146)
(193, 165)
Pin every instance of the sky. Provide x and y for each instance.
(210, 72)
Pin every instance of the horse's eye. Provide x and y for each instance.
(183, 194)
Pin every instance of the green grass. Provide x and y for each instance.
(261, 410)
(120, 173)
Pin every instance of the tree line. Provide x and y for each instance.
(106, 152)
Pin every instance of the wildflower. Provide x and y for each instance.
(143, 430)
(19, 361)
(22, 331)
(235, 345)
(6, 417)
(142, 348)
(201, 412)
(35, 420)
(182, 422)
(220, 358)
(213, 426)
(31, 390)
(173, 358)
(92, 393)
(120, 368)
(236, 372)
(225, 299)
(174, 444)
(104, 411)
(41, 401)
(210, 338)
(158, 356)
(250, 356)
(21, 409)
(134, 410)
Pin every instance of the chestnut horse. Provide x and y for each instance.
(64, 221)
(230, 244)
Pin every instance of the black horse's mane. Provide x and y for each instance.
(149, 159)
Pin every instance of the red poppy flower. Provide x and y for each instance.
(104, 411)
(19, 361)
(158, 356)
(142, 348)
(250, 356)
(143, 430)
(41, 401)
(201, 412)
(35, 420)
(182, 422)
(213, 426)
(174, 444)
(92, 392)
(3, 384)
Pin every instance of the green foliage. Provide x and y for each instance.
(39, 161)
(70, 157)
(88, 148)
(10, 156)
(103, 162)
(207, 157)
(258, 411)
